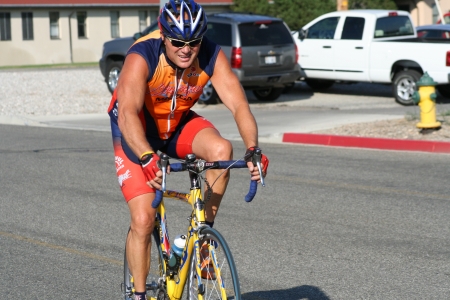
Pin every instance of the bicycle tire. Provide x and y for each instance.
(225, 262)
(156, 269)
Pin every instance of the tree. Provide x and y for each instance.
(372, 4)
(296, 13)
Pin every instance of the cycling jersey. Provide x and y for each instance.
(169, 97)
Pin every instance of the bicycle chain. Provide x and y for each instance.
(208, 191)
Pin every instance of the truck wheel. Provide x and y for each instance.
(209, 95)
(404, 86)
(268, 94)
(444, 90)
(319, 84)
(113, 70)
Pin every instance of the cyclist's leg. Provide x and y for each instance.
(138, 244)
(199, 136)
(139, 197)
(210, 146)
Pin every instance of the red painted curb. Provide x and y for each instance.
(366, 142)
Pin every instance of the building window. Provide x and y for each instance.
(54, 25)
(5, 26)
(115, 32)
(81, 22)
(27, 26)
(142, 20)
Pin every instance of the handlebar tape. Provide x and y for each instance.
(252, 191)
(158, 199)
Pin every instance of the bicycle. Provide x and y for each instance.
(206, 263)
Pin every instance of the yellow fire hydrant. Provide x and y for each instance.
(426, 98)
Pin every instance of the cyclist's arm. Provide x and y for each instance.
(233, 97)
(131, 89)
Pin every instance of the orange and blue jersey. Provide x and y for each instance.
(168, 99)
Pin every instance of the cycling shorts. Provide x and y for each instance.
(129, 172)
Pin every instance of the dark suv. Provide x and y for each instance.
(261, 51)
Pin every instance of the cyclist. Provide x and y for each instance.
(162, 78)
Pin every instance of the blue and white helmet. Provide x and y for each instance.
(191, 24)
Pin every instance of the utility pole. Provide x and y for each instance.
(342, 4)
(440, 11)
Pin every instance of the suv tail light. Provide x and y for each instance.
(236, 58)
(447, 59)
(393, 14)
(263, 22)
(296, 53)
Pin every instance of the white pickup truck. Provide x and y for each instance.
(377, 46)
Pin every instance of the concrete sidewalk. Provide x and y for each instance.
(287, 123)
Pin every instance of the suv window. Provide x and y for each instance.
(393, 26)
(323, 29)
(262, 33)
(353, 28)
(219, 33)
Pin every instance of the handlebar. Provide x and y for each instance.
(200, 166)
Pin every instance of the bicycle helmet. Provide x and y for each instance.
(183, 20)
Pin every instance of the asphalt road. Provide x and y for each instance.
(332, 223)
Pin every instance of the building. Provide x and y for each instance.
(424, 12)
(36, 32)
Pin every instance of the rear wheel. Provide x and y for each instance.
(220, 275)
(319, 84)
(113, 71)
(268, 94)
(404, 86)
(156, 272)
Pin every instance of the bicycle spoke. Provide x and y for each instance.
(218, 272)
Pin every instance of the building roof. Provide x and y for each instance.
(93, 3)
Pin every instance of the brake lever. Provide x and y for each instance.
(257, 161)
(163, 163)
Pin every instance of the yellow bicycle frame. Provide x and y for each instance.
(175, 284)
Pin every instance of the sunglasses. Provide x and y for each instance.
(181, 44)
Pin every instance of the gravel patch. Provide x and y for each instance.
(53, 92)
(394, 129)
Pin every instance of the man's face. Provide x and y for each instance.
(182, 57)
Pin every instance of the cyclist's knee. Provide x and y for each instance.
(220, 150)
(142, 223)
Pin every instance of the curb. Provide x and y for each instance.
(366, 142)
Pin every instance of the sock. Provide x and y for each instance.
(210, 224)
(140, 296)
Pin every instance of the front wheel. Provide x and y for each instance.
(404, 86)
(218, 276)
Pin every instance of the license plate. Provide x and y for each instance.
(270, 59)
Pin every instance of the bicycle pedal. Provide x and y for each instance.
(153, 286)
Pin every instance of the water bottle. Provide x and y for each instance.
(178, 244)
(177, 250)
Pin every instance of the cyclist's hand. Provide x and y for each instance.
(252, 167)
(152, 172)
